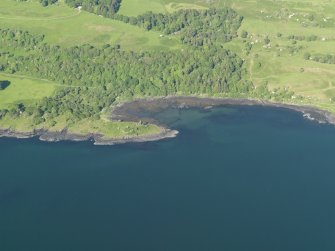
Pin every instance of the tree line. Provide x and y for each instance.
(309, 38)
(18, 39)
(195, 27)
(99, 75)
(46, 3)
(321, 58)
(105, 8)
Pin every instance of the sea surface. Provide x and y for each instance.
(236, 178)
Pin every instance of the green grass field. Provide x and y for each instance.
(112, 129)
(24, 89)
(68, 27)
(137, 7)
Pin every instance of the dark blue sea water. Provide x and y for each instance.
(236, 179)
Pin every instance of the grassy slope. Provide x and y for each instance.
(137, 7)
(115, 130)
(24, 89)
(68, 27)
(280, 68)
(112, 130)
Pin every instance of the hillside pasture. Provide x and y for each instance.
(23, 89)
(138, 7)
(281, 63)
(70, 27)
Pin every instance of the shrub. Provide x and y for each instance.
(4, 84)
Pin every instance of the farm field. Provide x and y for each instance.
(24, 89)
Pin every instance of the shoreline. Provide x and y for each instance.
(97, 139)
(131, 111)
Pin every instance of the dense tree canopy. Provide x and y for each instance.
(101, 7)
(195, 27)
(147, 73)
(48, 2)
(99, 75)
(18, 39)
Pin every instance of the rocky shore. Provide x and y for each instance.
(137, 110)
(143, 109)
(97, 139)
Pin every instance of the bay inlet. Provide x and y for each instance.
(239, 178)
